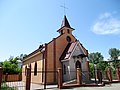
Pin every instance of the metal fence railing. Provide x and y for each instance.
(12, 82)
(49, 80)
(108, 75)
(18, 85)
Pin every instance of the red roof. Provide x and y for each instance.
(69, 49)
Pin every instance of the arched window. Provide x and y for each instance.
(68, 31)
(35, 68)
(64, 67)
(68, 39)
(30, 66)
(61, 31)
(25, 70)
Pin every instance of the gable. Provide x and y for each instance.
(74, 49)
(77, 51)
(68, 50)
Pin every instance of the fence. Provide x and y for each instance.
(69, 77)
(11, 81)
(44, 80)
(111, 75)
(30, 84)
(48, 79)
(13, 85)
(108, 75)
(12, 77)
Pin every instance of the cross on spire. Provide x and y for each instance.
(64, 7)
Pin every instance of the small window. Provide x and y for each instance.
(64, 67)
(35, 69)
(68, 30)
(25, 70)
(68, 39)
(30, 66)
(43, 56)
(61, 31)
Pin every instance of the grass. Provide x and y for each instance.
(7, 88)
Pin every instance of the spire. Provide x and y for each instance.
(65, 26)
(65, 23)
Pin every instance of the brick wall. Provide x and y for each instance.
(31, 60)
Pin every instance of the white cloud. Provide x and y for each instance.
(107, 24)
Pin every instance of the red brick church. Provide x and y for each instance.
(64, 51)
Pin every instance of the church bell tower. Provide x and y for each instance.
(65, 27)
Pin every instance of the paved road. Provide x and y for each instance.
(21, 85)
(115, 86)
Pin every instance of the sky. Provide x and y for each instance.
(25, 24)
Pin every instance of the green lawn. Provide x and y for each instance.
(7, 88)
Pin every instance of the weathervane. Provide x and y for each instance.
(64, 7)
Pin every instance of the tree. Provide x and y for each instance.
(22, 56)
(91, 70)
(6, 65)
(95, 57)
(102, 65)
(10, 66)
(114, 54)
(0, 64)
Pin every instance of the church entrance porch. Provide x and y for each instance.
(70, 69)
